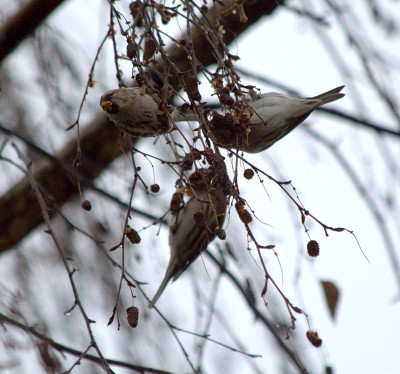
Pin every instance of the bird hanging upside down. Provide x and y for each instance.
(268, 118)
(193, 225)
(271, 117)
(139, 114)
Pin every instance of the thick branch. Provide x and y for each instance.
(63, 348)
(22, 24)
(99, 141)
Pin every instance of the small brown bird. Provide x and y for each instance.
(193, 226)
(137, 113)
(274, 116)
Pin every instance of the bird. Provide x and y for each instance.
(138, 113)
(271, 116)
(193, 226)
(265, 120)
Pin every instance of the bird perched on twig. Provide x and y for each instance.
(266, 119)
(139, 114)
(193, 225)
(271, 117)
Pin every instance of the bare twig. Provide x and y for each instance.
(82, 355)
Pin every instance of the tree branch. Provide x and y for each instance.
(23, 23)
(63, 348)
(99, 140)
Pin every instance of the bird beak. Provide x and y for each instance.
(106, 106)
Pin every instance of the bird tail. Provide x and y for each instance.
(160, 290)
(179, 116)
(329, 96)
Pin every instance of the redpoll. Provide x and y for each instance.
(137, 113)
(193, 226)
(275, 115)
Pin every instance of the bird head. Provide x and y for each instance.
(107, 102)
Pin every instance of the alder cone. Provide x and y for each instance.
(226, 131)
(131, 50)
(133, 316)
(191, 87)
(149, 49)
(188, 238)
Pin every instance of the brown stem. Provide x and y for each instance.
(24, 23)
(99, 140)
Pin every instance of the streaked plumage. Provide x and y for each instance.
(275, 115)
(187, 238)
(137, 113)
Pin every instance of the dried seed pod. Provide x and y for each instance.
(165, 17)
(185, 107)
(149, 49)
(142, 78)
(187, 162)
(132, 235)
(226, 99)
(218, 83)
(86, 204)
(191, 88)
(248, 173)
(176, 202)
(209, 155)
(228, 64)
(155, 188)
(227, 132)
(200, 220)
(133, 316)
(218, 201)
(240, 204)
(221, 234)
(243, 213)
(312, 336)
(196, 154)
(163, 121)
(164, 13)
(219, 166)
(313, 248)
(244, 120)
(131, 50)
(136, 14)
(245, 216)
